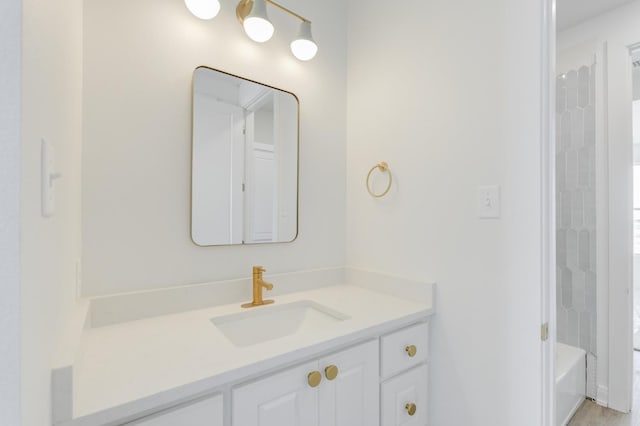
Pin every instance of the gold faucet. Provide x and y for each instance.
(258, 285)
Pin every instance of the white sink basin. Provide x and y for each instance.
(260, 324)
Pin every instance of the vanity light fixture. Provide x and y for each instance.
(252, 14)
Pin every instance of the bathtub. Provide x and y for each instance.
(570, 381)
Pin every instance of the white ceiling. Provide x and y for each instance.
(572, 12)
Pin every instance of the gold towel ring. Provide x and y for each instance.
(383, 167)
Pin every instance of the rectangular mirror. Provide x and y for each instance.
(245, 161)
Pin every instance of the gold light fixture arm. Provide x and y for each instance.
(289, 11)
(244, 8)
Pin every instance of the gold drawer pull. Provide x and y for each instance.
(314, 378)
(331, 372)
(411, 408)
(411, 350)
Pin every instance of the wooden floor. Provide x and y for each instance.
(591, 414)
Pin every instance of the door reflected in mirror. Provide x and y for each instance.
(245, 161)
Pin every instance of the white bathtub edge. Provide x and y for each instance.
(572, 412)
(571, 371)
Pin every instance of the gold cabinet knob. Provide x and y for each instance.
(411, 408)
(314, 378)
(331, 372)
(411, 350)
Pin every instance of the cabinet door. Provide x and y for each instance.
(283, 399)
(352, 397)
(203, 412)
(404, 399)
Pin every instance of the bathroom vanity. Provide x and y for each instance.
(354, 353)
(331, 347)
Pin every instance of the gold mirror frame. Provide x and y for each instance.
(297, 158)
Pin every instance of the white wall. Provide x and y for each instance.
(448, 93)
(10, 77)
(51, 87)
(616, 25)
(137, 140)
(616, 30)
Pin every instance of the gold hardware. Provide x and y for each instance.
(258, 285)
(411, 350)
(383, 167)
(289, 11)
(411, 408)
(244, 9)
(544, 332)
(314, 378)
(331, 372)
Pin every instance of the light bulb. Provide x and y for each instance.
(203, 9)
(258, 29)
(303, 47)
(257, 24)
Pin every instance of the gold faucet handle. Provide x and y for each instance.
(258, 269)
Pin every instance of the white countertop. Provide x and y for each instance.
(145, 363)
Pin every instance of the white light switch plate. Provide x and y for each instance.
(488, 203)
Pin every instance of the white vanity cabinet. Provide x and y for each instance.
(382, 382)
(366, 365)
(207, 411)
(347, 394)
(404, 355)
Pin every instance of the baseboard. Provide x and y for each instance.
(603, 396)
(592, 377)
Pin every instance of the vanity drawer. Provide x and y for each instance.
(404, 349)
(404, 399)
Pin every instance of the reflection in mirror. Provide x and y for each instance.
(245, 161)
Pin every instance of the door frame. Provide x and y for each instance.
(620, 222)
(616, 391)
(548, 209)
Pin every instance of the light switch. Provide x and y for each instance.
(488, 202)
(48, 178)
